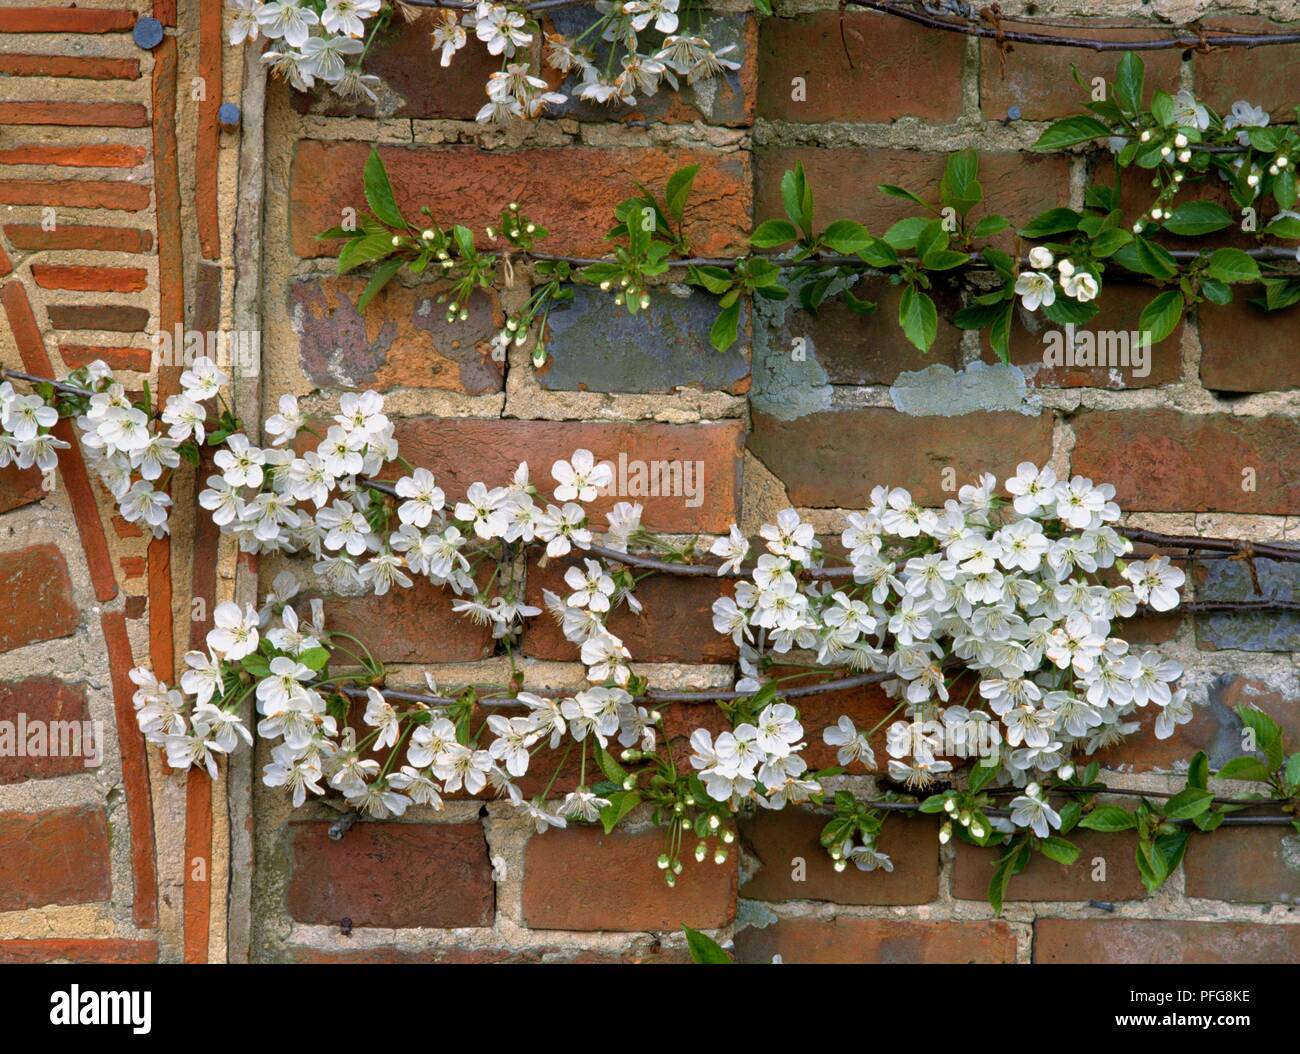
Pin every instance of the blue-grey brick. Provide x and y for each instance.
(1264, 631)
(595, 346)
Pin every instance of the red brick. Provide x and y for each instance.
(779, 838)
(410, 625)
(1240, 349)
(464, 450)
(78, 950)
(392, 875)
(858, 66)
(1120, 308)
(70, 19)
(868, 349)
(1164, 461)
(77, 355)
(676, 626)
(55, 857)
(401, 340)
(90, 279)
(1039, 80)
(844, 183)
(1160, 941)
(111, 239)
(580, 878)
(79, 194)
(74, 156)
(465, 184)
(37, 593)
(6, 265)
(19, 487)
(76, 114)
(1249, 865)
(882, 941)
(112, 318)
(60, 708)
(1044, 880)
(90, 68)
(1268, 77)
(833, 458)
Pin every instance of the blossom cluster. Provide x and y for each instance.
(310, 45)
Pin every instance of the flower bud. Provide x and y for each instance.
(1033, 790)
(663, 862)
(950, 806)
(1180, 140)
(945, 833)
(714, 823)
(728, 836)
(701, 851)
(428, 235)
(604, 286)
(720, 857)
(840, 865)
(976, 831)
(1145, 137)
(1065, 771)
(629, 783)
(1282, 161)
(964, 817)
(397, 240)
(1184, 156)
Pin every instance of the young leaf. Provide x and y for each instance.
(1109, 818)
(846, 237)
(1232, 266)
(704, 949)
(797, 197)
(1070, 132)
(1161, 317)
(379, 192)
(679, 189)
(773, 233)
(1244, 768)
(989, 226)
(1053, 221)
(1188, 803)
(383, 273)
(726, 327)
(1129, 78)
(1061, 850)
(960, 188)
(1198, 217)
(919, 317)
(898, 192)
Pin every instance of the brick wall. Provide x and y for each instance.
(885, 101)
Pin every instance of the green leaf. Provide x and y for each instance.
(1070, 132)
(679, 189)
(1000, 334)
(374, 245)
(726, 327)
(257, 665)
(797, 197)
(879, 254)
(704, 949)
(1188, 803)
(1065, 311)
(1129, 78)
(379, 192)
(1162, 109)
(1011, 864)
(1061, 850)
(1293, 770)
(614, 772)
(846, 237)
(1198, 217)
(383, 274)
(1284, 188)
(978, 316)
(314, 658)
(1268, 736)
(621, 803)
(980, 776)
(1053, 221)
(773, 233)
(943, 259)
(1111, 241)
(1198, 771)
(1232, 266)
(1161, 317)
(1287, 227)
(919, 318)
(1244, 768)
(903, 235)
(1109, 818)
(960, 187)
(989, 226)
(898, 192)
(1216, 292)
(717, 280)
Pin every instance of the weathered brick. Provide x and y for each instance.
(75, 114)
(37, 589)
(59, 856)
(112, 318)
(1267, 77)
(857, 66)
(849, 348)
(676, 626)
(471, 186)
(461, 451)
(835, 457)
(43, 718)
(1233, 580)
(90, 279)
(392, 875)
(1214, 728)
(402, 340)
(99, 156)
(1120, 308)
(19, 487)
(1164, 461)
(410, 625)
(1240, 350)
(580, 878)
(595, 346)
(1160, 941)
(78, 950)
(1101, 854)
(68, 19)
(77, 355)
(72, 236)
(1040, 81)
(844, 182)
(726, 100)
(75, 194)
(789, 839)
(1249, 865)
(80, 68)
(883, 941)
